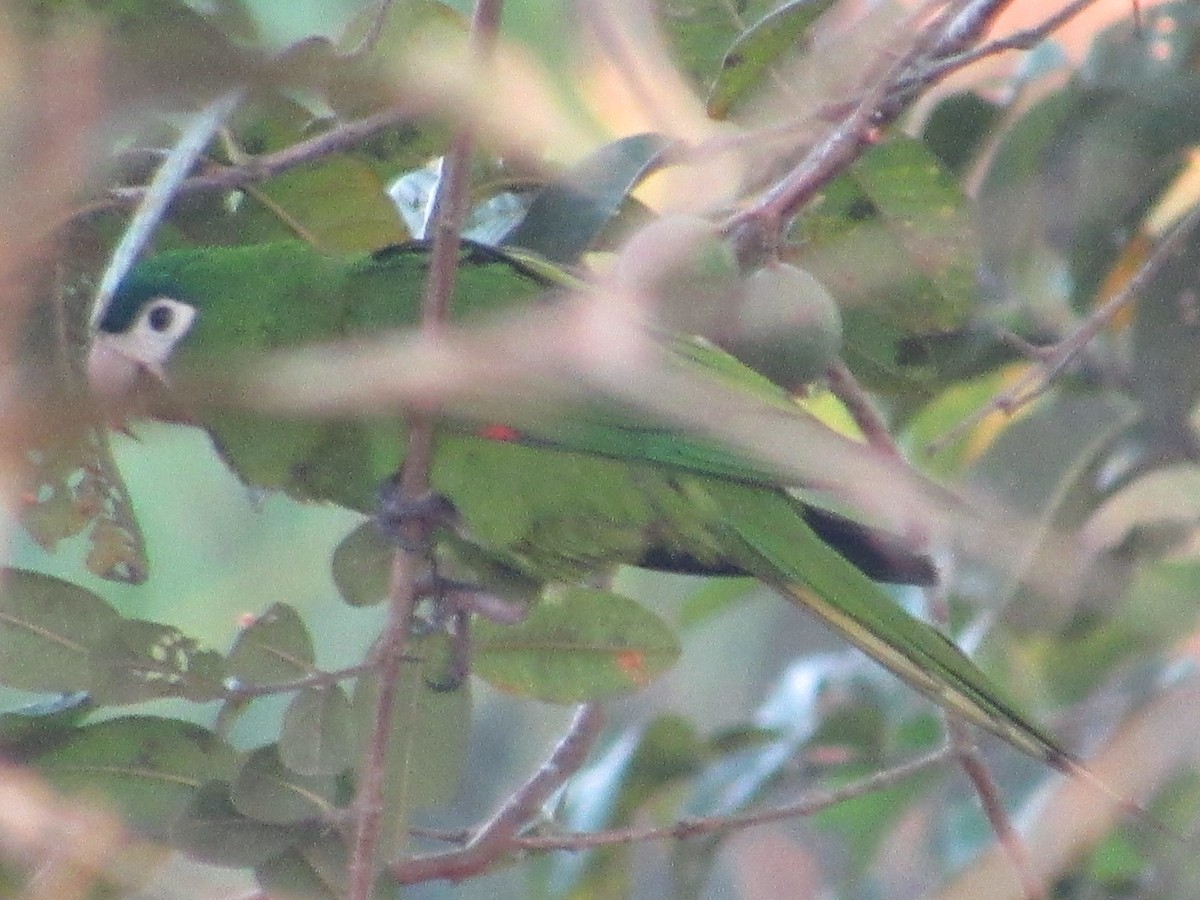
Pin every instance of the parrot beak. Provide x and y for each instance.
(120, 383)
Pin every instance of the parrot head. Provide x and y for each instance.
(134, 342)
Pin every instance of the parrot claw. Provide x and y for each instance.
(397, 511)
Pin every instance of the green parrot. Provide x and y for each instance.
(590, 489)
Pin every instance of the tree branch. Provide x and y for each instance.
(808, 805)
(414, 482)
(498, 836)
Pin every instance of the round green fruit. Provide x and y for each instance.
(684, 266)
(788, 326)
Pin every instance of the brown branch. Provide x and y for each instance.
(967, 754)
(1025, 39)
(936, 53)
(262, 168)
(498, 836)
(449, 207)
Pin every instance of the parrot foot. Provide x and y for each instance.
(398, 511)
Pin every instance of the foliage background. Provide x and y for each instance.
(731, 661)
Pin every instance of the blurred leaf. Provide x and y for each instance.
(1170, 495)
(266, 790)
(577, 644)
(149, 767)
(567, 214)
(1083, 166)
(701, 32)
(212, 830)
(48, 629)
(957, 127)
(1166, 366)
(365, 82)
(162, 51)
(316, 735)
(362, 565)
(141, 660)
(749, 59)
(275, 647)
(792, 714)
(29, 731)
(427, 741)
(865, 821)
(1051, 447)
(315, 871)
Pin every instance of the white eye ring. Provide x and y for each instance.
(152, 338)
(161, 324)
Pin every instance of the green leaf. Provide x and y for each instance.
(702, 30)
(141, 660)
(316, 735)
(927, 215)
(957, 127)
(74, 487)
(315, 871)
(275, 647)
(268, 791)
(767, 41)
(567, 215)
(340, 202)
(427, 741)
(362, 565)
(48, 628)
(578, 644)
(212, 830)
(149, 767)
(1166, 367)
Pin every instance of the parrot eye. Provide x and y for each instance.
(160, 317)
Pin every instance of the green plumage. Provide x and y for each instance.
(591, 490)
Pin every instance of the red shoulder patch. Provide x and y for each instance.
(500, 433)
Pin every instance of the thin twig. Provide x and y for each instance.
(862, 409)
(1026, 39)
(449, 206)
(262, 168)
(810, 804)
(962, 745)
(1057, 357)
(237, 691)
(497, 836)
(967, 754)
